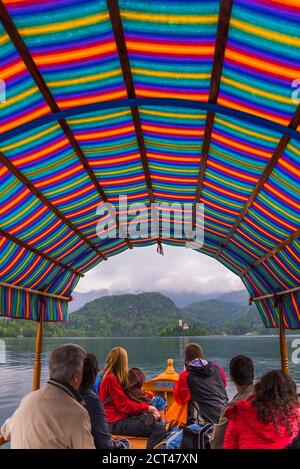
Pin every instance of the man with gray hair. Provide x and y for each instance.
(54, 417)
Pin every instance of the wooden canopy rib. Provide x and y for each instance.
(83, 109)
(116, 22)
(36, 292)
(272, 295)
(23, 179)
(39, 253)
(295, 121)
(24, 53)
(219, 54)
(271, 253)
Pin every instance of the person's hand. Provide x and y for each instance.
(154, 411)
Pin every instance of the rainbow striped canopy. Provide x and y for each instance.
(162, 101)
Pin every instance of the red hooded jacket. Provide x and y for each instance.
(244, 431)
(118, 405)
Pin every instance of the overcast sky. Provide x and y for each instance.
(142, 269)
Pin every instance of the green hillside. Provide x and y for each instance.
(222, 317)
(211, 313)
(144, 314)
(147, 314)
(240, 297)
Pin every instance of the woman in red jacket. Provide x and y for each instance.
(269, 419)
(127, 417)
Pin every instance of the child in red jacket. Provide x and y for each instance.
(269, 419)
(135, 392)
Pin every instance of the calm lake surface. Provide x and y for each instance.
(148, 353)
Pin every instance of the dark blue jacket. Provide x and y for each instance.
(100, 431)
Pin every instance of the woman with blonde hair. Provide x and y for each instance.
(125, 416)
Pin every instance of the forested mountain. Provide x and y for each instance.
(126, 315)
(222, 317)
(241, 297)
(180, 298)
(147, 314)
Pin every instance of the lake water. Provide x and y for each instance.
(149, 353)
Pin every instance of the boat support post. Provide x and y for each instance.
(38, 346)
(284, 353)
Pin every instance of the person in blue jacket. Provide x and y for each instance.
(96, 386)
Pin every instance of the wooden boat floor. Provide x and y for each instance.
(136, 442)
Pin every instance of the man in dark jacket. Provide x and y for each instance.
(202, 386)
(242, 375)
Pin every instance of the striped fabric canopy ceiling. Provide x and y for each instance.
(162, 101)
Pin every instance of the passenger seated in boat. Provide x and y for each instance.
(241, 370)
(135, 392)
(125, 416)
(202, 386)
(100, 430)
(54, 417)
(269, 419)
